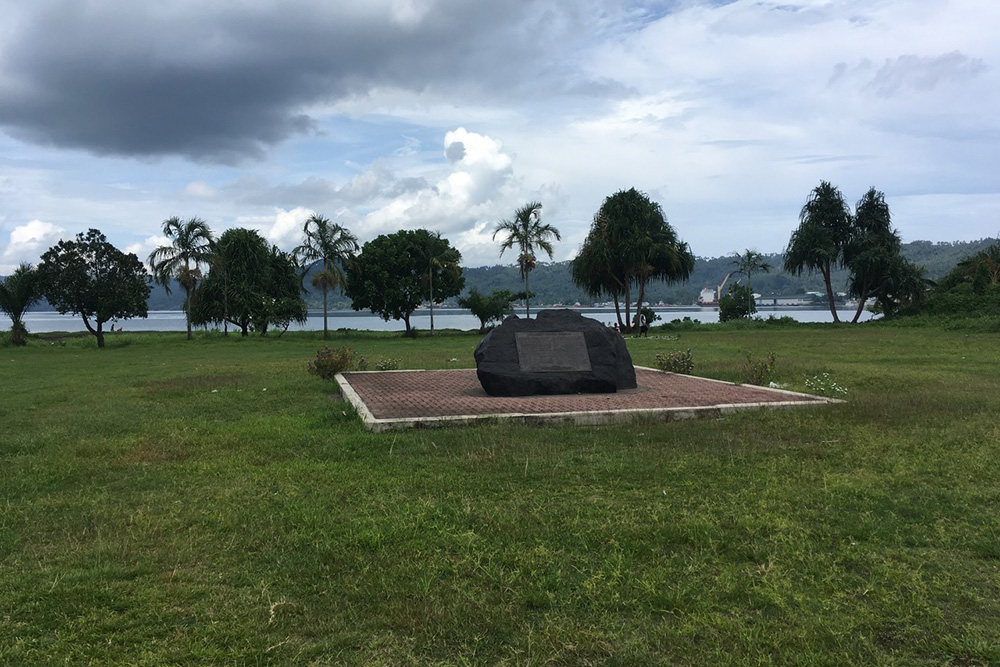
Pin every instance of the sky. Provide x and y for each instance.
(448, 115)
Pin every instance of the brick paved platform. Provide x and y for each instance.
(405, 399)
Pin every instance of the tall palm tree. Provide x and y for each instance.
(440, 258)
(528, 233)
(330, 245)
(817, 244)
(750, 261)
(180, 261)
(18, 292)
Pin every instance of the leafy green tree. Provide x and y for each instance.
(18, 292)
(180, 261)
(747, 263)
(529, 234)
(250, 285)
(818, 242)
(630, 244)
(92, 278)
(329, 246)
(391, 278)
(488, 308)
(737, 303)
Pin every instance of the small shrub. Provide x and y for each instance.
(823, 385)
(757, 371)
(330, 361)
(675, 362)
(387, 364)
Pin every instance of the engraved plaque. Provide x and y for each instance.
(552, 352)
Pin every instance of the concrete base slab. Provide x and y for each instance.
(388, 400)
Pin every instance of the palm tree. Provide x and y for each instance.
(441, 258)
(527, 232)
(18, 292)
(749, 262)
(192, 246)
(329, 245)
(817, 244)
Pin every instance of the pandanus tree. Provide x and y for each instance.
(18, 292)
(327, 247)
(629, 245)
(528, 234)
(817, 244)
(871, 251)
(191, 247)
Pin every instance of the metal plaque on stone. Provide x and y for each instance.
(552, 352)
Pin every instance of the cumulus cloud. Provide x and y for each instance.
(144, 248)
(286, 229)
(27, 242)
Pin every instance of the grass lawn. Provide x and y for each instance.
(166, 502)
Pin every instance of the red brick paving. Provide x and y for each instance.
(410, 395)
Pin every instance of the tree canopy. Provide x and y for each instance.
(630, 243)
(393, 274)
(18, 292)
(92, 278)
(250, 285)
(490, 308)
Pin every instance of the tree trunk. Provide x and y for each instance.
(618, 311)
(628, 312)
(829, 293)
(430, 281)
(638, 303)
(326, 330)
(187, 310)
(406, 320)
(861, 306)
(527, 306)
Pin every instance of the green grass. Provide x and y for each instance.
(166, 502)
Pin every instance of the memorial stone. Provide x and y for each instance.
(558, 352)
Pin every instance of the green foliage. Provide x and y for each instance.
(250, 285)
(387, 364)
(675, 361)
(93, 279)
(489, 309)
(630, 244)
(737, 304)
(390, 276)
(970, 289)
(18, 292)
(330, 361)
(757, 371)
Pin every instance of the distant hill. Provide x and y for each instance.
(552, 284)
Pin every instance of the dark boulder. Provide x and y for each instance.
(558, 352)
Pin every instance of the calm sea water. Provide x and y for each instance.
(446, 318)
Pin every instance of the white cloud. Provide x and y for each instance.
(286, 229)
(199, 190)
(28, 242)
(143, 248)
